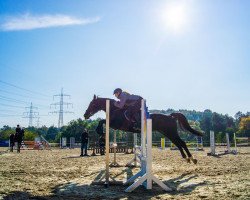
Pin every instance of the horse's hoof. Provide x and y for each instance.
(188, 160)
(195, 161)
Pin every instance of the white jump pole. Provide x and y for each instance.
(212, 142)
(107, 142)
(143, 131)
(235, 143)
(71, 142)
(135, 160)
(228, 143)
(150, 177)
(145, 176)
(115, 145)
(135, 150)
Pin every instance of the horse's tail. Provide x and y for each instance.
(184, 123)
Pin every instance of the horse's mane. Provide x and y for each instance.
(112, 101)
(105, 98)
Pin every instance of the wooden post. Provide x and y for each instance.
(107, 177)
(114, 163)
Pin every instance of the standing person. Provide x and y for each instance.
(84, 141)
(12, 141)
(131, 103)
(18, 138)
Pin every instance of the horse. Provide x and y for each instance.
(165, 124)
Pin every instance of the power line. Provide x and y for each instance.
(19, 101)
(21, 72)
(21, 95)
(6, 115)
(12, 85)
(13, 100)
(10, 105)
(61, 104)
(3, 110)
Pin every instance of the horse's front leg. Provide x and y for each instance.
(99, 128)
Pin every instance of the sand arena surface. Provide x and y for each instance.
(62, 174)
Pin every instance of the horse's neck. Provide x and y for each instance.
(103, 104)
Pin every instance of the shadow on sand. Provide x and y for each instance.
(74, 191)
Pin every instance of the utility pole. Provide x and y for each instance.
(31, 114)
(61, 104)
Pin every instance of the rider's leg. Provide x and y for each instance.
(134, 110)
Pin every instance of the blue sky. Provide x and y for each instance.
(176, 54)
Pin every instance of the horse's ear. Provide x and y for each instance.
(94, 96)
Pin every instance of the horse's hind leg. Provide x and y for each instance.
(176, 143)
(190, 157)
(174, 137)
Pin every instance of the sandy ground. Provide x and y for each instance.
(62, 174)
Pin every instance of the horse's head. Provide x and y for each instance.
(93, 108)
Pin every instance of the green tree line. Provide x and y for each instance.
(203, 121)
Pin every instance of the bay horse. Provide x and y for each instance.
(165, 124)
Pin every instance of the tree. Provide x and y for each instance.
(42, 131)
(51, 133)
(244, 126)
(206, 123)
(30, 135)
(5, 133)
(219, 122)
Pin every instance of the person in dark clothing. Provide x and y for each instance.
(102, 144)
(18, 138)
(18, 129)
(22, 133)
(12, 141)
(84, 142)
(131, 103)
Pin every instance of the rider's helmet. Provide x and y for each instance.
(117, 90)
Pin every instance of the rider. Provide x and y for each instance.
(132, 103)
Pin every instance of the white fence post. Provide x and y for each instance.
(228, 143)
(212, 142)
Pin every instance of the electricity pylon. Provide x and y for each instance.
(31, 114)
(61, 104)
